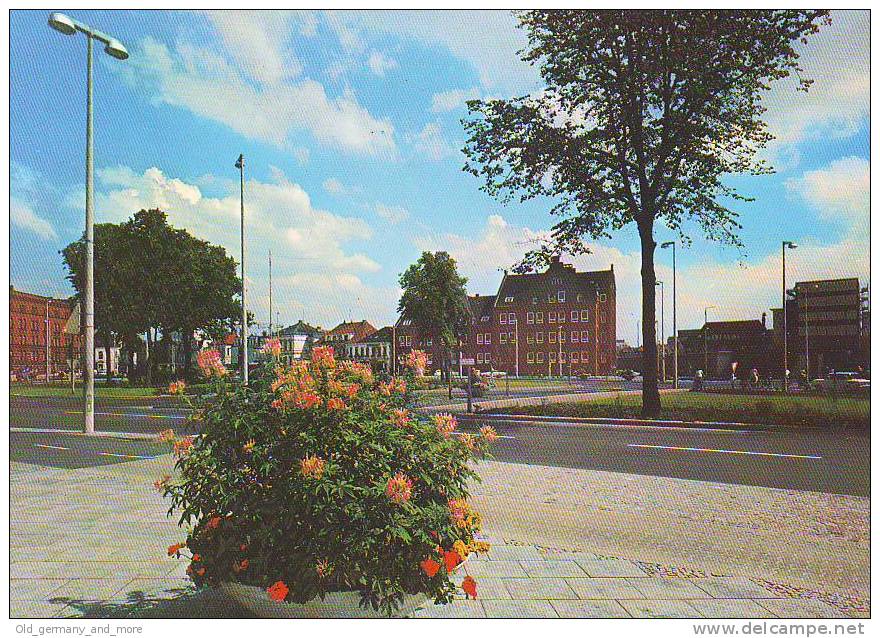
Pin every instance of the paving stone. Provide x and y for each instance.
(519, 609)
(603, 588)
(610, 567)
(35, 609)
(667, 588)
(660, 609)
(455, 609)
(538, 588)
(497, 568)
(33, 589)
(488, 587)
(36, 569)
(589, 609)
(513, 552)
(552, 568)
(734, 587)
(801, 608)
(88, 589)
(730, 608)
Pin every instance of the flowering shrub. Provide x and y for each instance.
(317, 478)
(417, 362)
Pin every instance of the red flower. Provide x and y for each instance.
(278, 591)
(196, 558)
(243, 547)
(469, 585)
(200, 571)
(174, 550)
(335, 404)
(430, 567)
(214, 522)
(451, 559)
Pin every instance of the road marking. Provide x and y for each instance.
(701, 449)
(134, 414)
(125, 456)
(51, 447)
(497, 436)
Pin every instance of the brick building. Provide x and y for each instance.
(558, 322)
(28, 318)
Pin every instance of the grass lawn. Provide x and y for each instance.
(695, 406)
(23, 390)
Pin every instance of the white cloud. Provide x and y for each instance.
(839, 191)
(280, 217)
(431, 143)
(739, 291)
(837, 59)
(208, 85)
(336, 187)
(379, 63)
(453, 99)
(23, 216)
(393, 214)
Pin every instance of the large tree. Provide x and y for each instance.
(435, 299)
(643, 115)
(156, 279)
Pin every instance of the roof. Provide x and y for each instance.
(352, 327)
(299, 328)
(523, 287)
(830, 284)
(381, 335)
(480, 306)
(735, 326)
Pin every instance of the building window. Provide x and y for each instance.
(552, 357)
(539, 357)
(508, 300)
(539, 337)
(484, 318)
(502, 337)
(551, 337)
(539, 317)
(511, 318)
(560, 296)
(561, 337)
(603, 297)
(429, 341)
(530, 338)
(488, 338)
(530, 357)
(574, 357)
(574, 336)
(585, 315)
(574, 316)
(479, 357)
(511, 337)
(534, 300)
(585, 336)
(551, 317)
(585, 357)
(407, 322)
(503, 317)
(530, 317)
(561, 317)
(480, 337)
(408, 340)
(486, 357)
(562, 357)
(556, 281)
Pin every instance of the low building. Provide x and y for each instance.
(297, 340)
(346, 332)
(375, 349)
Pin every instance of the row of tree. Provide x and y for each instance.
(155, 280)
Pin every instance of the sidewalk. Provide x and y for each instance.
(91, 543)
(481, 405)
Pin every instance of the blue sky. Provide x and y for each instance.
(349, 122)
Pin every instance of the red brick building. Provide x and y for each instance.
(28, 335)
(558, 322)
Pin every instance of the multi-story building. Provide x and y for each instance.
(558, 322)
(375, 349)
(346, 332)
(37, 340)
(409, 338)
(296, 340)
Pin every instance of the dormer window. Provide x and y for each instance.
(406, 322)
(560, 296)
(484, 318)
(508, 300)
(556, 281)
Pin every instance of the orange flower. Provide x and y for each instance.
(335, 404)
(400, 417)
(399, 488)
(272, 347)
(196, 558)
(214, 522)
(458, 509)
(445, 424)
(323, 356)
(210, 364)
(488, 433)
(240, 566)
(312, 467)
(182, 446)
(323, 568)
(176, 387)
(248, 447)
(278, 591)
(430, 567)
(451, 560)
(468, 441)
(174, 550)
(162, 483)
(166, 436)
(469, 585)
(200, 571)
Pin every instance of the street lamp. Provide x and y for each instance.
(706, 338)
(667, 244)
(239, 164)
(791, 245)
(114, 48)
(662, 328)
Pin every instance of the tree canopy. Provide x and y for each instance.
(642, 116)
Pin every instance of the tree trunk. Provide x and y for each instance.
(650, 392)
(449, 372)
(148, 359)
(186, 336)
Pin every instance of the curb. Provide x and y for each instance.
(576, 421)
(143, 436)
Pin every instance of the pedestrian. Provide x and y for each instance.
(755, 378)
(698, 381)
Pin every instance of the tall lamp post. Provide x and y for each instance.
(706, 338)
(790, 245)
(667, 244)
(244, 345)
(114, 48)
(662, 329)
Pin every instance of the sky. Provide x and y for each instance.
(350, 127)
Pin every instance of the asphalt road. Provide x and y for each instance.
(835, 461)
